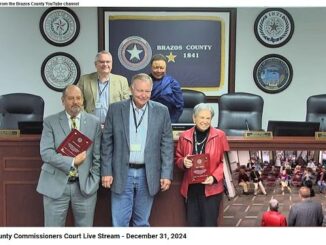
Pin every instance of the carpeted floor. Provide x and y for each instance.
(246, 211)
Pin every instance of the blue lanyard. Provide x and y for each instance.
(100, 92)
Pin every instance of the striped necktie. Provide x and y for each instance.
(73, 123)
(73, 173)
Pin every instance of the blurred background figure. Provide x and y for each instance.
(273, 217)
(243, 180)
(255, 177)
(307, 212)
(321, 180)
(284, 178)
(308, 180)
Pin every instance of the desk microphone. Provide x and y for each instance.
(322, 125)
(2, 115)
(247, 125)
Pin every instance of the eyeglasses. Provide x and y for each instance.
(102, 62)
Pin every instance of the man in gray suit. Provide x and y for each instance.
(137, 154)
(307, 212)
(64, 179)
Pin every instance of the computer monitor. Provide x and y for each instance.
(292, 128)
(30, 127)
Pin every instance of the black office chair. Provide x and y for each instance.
(20, 107)
(316, 110)
(240, 112)
(191, 98)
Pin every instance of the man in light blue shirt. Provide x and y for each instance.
(137, 154)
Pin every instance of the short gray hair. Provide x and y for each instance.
(101, 52)
(201, 107)
(273, 205)
(141, 76)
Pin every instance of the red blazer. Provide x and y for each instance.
(216, 145)
(273, 218)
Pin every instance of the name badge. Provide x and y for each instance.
(135, 147)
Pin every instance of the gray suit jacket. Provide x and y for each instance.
(116, 146)
(306, 213)
(55, 168)
(119, 89)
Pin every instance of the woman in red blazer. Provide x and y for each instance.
(203, 198)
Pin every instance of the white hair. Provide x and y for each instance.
(201, 107)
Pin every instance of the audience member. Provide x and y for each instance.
(166, 89)
(243, 180)
(64, 179)
(287, 164)
(284, 179)
(306, 212)
(273, 217)
(136, 154)
(301, 161)
(321, 180)
(254, 163)
(278, 161)
(202, 199)
(311, 164)
(297, 169)
(255, 176)
(308, 180)
(250, 164)
(102, 88)
(323, 163)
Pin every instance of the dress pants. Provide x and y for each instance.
(244, 185)
(83, 208)
(261, 186)
(202, 210)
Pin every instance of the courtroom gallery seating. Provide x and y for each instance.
(17, 107)
(240, 112)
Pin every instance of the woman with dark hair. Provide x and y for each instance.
(166, 89)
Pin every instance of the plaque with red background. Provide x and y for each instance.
(200, 168)
(75, 143)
